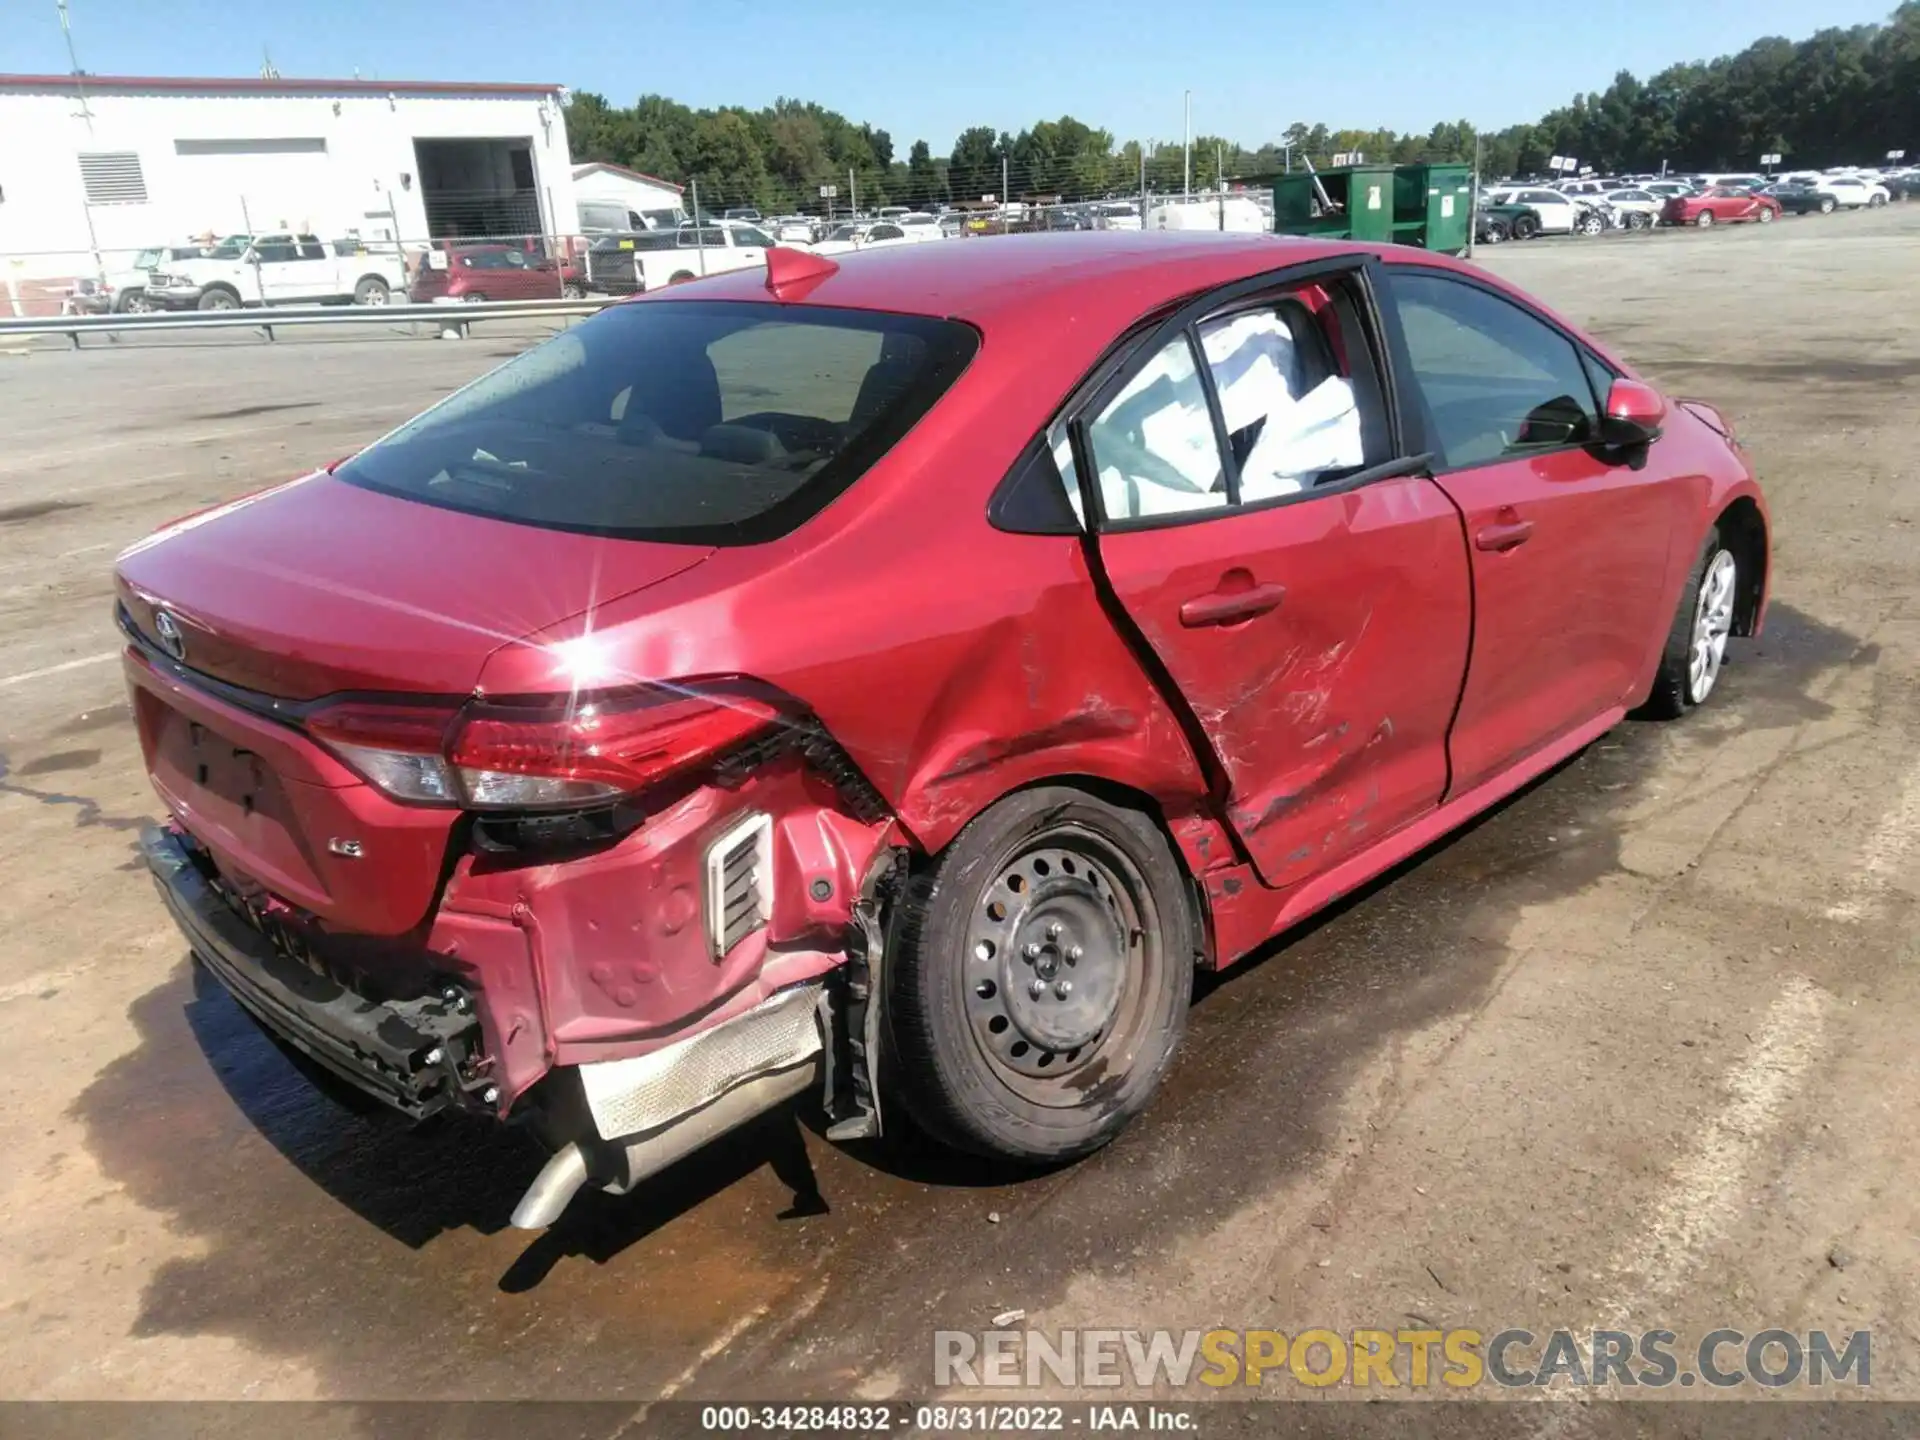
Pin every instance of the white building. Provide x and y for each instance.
(103, 165)
(612, 197)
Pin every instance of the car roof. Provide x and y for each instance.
(1101, 279)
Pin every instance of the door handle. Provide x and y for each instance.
(1225, 608)
(1503, 537)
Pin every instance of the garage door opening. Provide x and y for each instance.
(476, 189)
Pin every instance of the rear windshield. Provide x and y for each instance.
(696, 421)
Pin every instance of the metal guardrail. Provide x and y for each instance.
(271, 318)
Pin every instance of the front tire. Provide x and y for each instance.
(1828, 205)
(1704, 220)
(218, 300)
(1525, 227)
(1696, 646)
(1039, 977)
(1765, 217)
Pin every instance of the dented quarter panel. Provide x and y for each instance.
(1329, 714)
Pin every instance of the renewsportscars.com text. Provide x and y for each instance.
(1390, 1359)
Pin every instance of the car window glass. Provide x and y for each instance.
(511, 260)
(709, 236)
(1153, 444)
(726, 423)
(275, 252)
(1497, 381)
(886, 232)
(311, 248)
(752, 238)
(1290, 415)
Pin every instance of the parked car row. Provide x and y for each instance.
(1592, 206)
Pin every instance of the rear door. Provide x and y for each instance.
(1569, 543)
(1307, 598)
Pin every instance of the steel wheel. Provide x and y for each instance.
(1059, 964)
(1765, 216)
(1039, 979)
(1712, 623)
(139, 304)
(1705, 219)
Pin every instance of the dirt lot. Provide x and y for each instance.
(1636, 1049)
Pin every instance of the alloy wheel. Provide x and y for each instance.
(1712, 623)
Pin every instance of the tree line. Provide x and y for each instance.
(1840, 96)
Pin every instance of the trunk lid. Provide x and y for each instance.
(315, 588)
(320, 586)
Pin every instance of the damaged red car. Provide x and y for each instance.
(893, 679)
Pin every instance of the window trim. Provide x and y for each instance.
(1414, 400)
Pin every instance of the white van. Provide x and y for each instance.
(1235, 213)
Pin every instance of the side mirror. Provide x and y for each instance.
(1635, 414)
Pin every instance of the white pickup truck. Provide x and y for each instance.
(278, 270)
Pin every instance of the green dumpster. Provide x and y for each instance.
(1362, 204)
(1432, 206)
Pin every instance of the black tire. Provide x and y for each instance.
(1675, 690)
(372, 290)
(1828, 205)
(1055, 892)
(680, 277)
(1494, 233)
(1592, 225)
(217, 299)
(1704, 220)
(1874, 202)
(1524, 227)
(474, 297)
(573, 290)
(1765, 217)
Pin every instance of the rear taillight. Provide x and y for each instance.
(400, 748)
(537, 754)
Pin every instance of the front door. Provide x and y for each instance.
(1569, 544)
(1310, 608)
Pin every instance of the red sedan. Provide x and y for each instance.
(473, 273)
(1722, 205)
(941, 653)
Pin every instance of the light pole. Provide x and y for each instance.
(1186, 184)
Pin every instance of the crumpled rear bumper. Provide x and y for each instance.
(384, 1048)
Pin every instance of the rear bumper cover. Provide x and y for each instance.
(378, 1047)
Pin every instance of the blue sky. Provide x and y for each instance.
(924, 70)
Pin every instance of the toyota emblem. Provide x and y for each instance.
(167, 630)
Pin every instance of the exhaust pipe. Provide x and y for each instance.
(622, 1164)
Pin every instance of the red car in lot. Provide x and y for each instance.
(896, 677)
(1721, 205)
(484, 272)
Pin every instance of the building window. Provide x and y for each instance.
(113, 177)
(280, 145)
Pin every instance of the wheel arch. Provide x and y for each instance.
(1197, 839)
(1744, 530)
